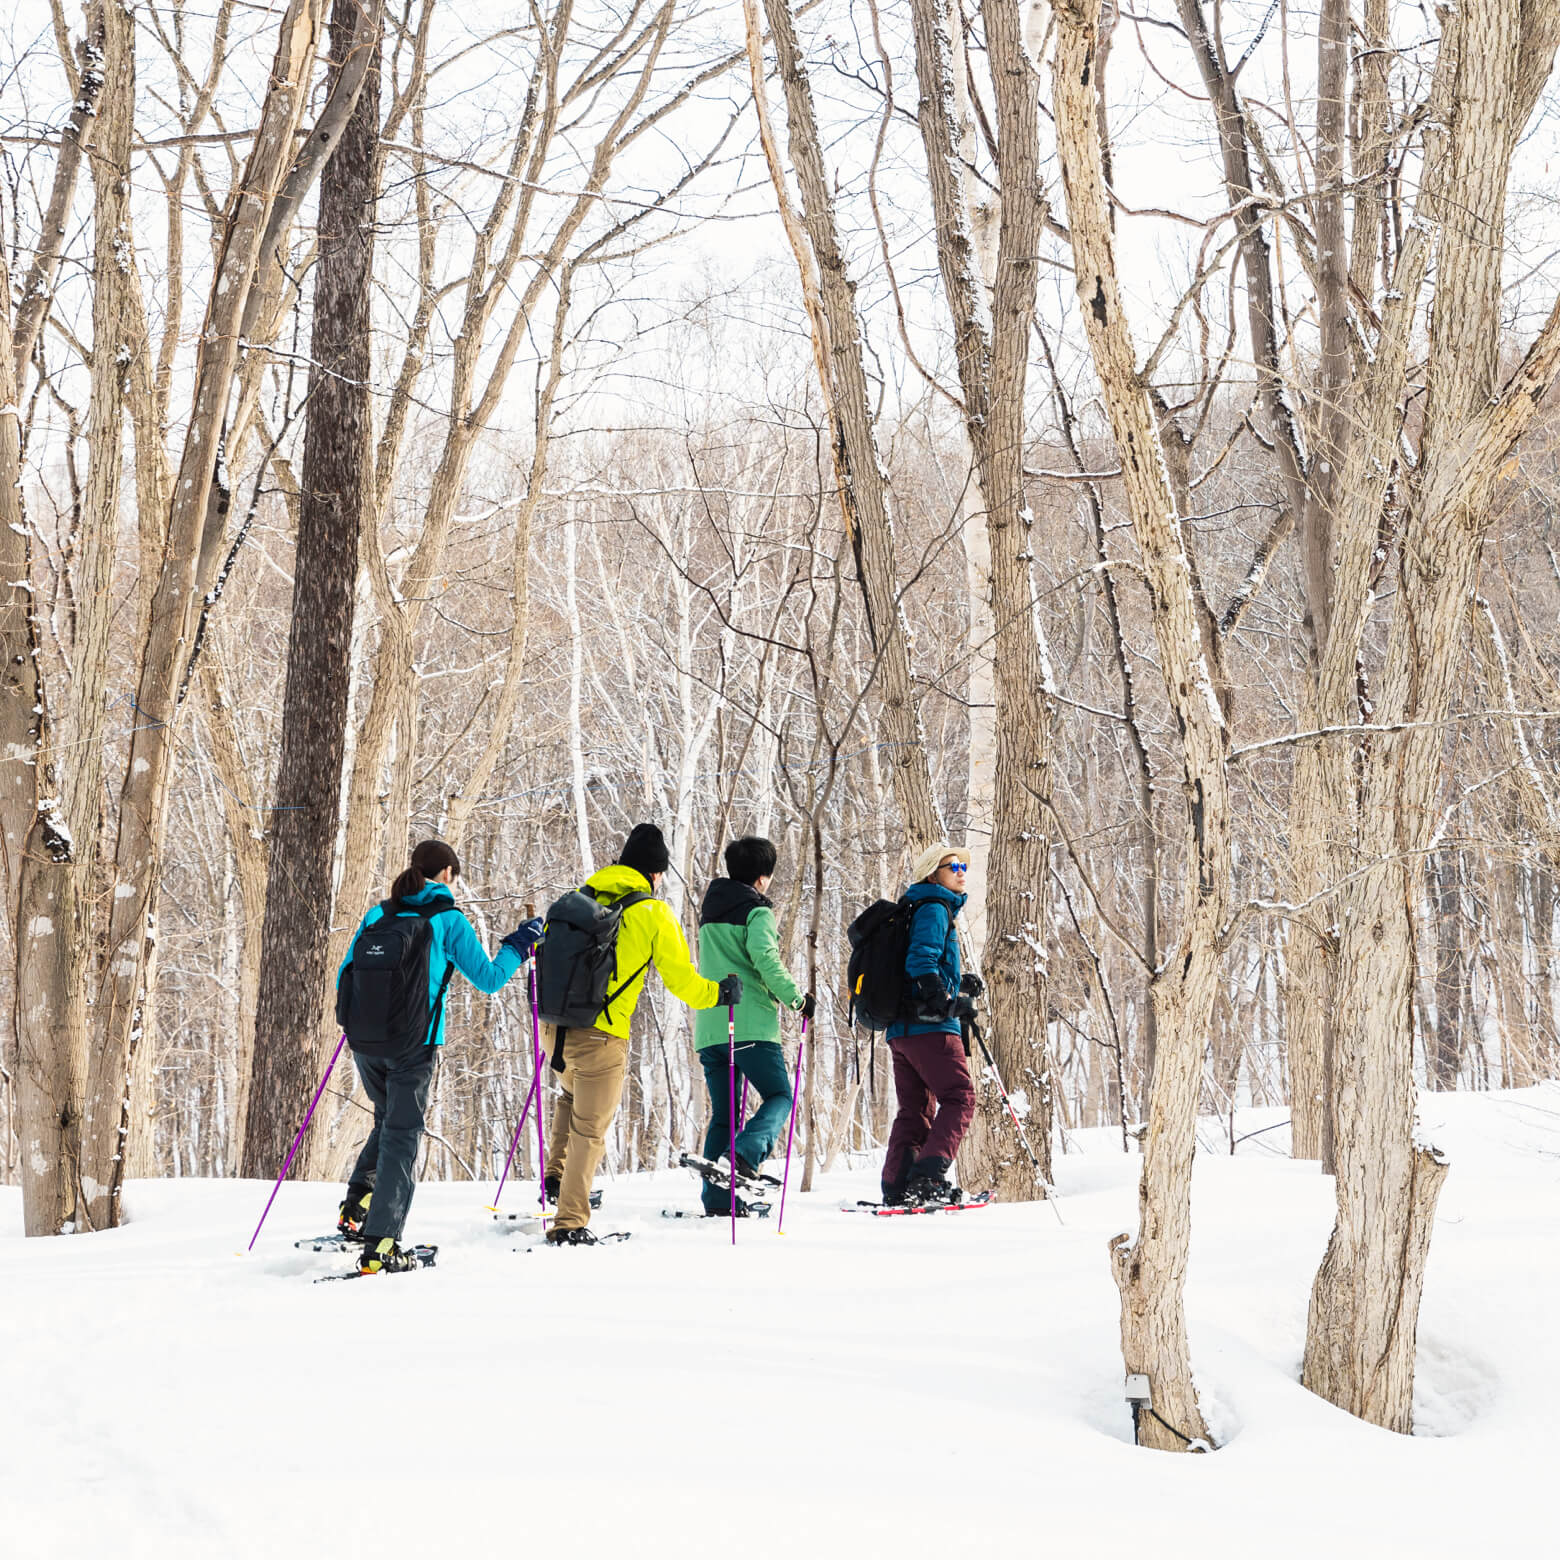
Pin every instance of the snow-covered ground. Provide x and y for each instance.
(853, 1388)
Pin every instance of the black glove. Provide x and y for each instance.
(972, 985)
(729, 993)
(964, 1007)
(525, 937)
(809, 1006)
(929, 998)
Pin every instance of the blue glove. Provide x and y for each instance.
(525, 937)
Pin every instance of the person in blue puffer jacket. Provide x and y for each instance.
(931, 1073)
(379, 1191)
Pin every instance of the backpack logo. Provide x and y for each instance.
(383, 1004)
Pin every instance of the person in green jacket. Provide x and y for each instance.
(737, 936)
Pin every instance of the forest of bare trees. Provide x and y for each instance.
(1115, 440)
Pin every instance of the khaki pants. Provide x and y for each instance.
(594, 1065)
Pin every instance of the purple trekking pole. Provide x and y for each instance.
(287, 1165)
(536, 1063)
(514, 1142)
(731, 1072)
(796, 1094)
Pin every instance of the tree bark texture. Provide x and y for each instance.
(1150, 1270)
(1364, 1305)
(49, 1071)
(75, 140)
(336, 481)
(53, 920)
(992, 349)
(864, 492)
(129, 968)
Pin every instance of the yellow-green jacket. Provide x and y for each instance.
(649, 934)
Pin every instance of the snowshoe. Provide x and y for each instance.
(413, 1257)
(717, 1173)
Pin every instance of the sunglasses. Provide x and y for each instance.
(954, 866)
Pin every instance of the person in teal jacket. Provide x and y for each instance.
(738, 936)
(931, 1075)
(379, 1190)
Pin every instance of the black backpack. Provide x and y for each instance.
(879, 945)
(382, 997)
(577, 956)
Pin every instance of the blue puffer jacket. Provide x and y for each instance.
(454, 942)
(934, 950)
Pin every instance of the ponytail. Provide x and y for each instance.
(429, 859)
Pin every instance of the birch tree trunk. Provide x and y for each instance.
(294, 973)
(244, 804)
(1150, 1269)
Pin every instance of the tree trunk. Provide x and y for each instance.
(294, 974)
(1444, 1045)
(48, 1051)
(64, 1186)
(865, 499)
(1150, 1268)
(1363, 1320)
(992, 348)
(129, 959)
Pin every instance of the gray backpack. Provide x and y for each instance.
(575, 963)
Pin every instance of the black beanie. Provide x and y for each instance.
(645, 850)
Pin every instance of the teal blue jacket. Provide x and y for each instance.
(934, 950)
(454, 942)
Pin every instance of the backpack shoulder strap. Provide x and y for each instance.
(622, 905)
(427, 911)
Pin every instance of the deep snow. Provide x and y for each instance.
(856, 1387)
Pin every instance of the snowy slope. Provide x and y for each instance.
(854, 1388)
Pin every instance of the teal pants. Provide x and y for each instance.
(761, 1063)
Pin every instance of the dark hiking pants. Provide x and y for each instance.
(761, 1063)
(387, 1165)
(936, 1101)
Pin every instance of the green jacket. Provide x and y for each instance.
(649, 934)
(737, 936)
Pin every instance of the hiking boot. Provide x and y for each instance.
(385, 1256)
(931, 1191)
(928, 1183)
(578, 1236)
(551, 1186)
(354, 1209)
(894, 1196)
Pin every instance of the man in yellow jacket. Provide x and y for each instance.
(596, 1059)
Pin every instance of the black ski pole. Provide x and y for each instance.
(1018, 1126)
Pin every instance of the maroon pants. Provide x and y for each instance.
(936, 1101)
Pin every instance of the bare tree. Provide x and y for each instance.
(992, 345)
(336, 485)
(864, 491)
(1150, 1268)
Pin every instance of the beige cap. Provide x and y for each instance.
(930, 859)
